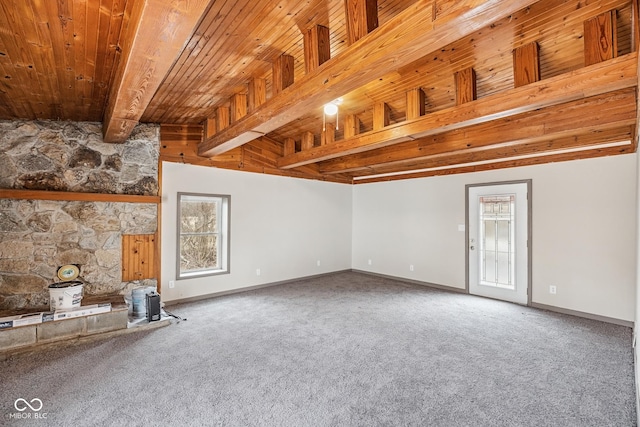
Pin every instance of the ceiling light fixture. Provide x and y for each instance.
(330, 109)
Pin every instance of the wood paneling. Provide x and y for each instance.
(57, 58)
(138, 257)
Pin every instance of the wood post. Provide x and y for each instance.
(282, 73)
(257, 93)
(600, 38)
(238, 106)
(465, 86)
(222, 118)
(289, 146)
(307, 141)
(209, 127)
(526, 64)
(317, 47)
(361, 18)
(328, 134)
(415, 103)
(381, 113)
(351, 126)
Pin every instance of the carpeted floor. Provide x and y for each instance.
(343, 350)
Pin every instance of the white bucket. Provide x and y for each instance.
(64, 296)
(139, 300)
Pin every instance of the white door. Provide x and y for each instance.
(498, 224)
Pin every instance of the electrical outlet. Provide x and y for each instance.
(552, 289)
(172, 284)
(411, 267)
(257, 271)
(369, 262)
(318, 263)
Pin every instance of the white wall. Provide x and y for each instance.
(584, 231)
(280, 225)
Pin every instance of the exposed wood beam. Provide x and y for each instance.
(526, 64)
(513, 163)
(600, 38)
(361, 18)
(392, 46)
(618, 73)
(381, 114)
(307, 141)
(465, 86)
(283, 68)
(317, 47)
(351, 126)
(157, 33)
(238, 107)
(209, 127)
(222, 118)
(592, 115)
(563, 141)
(289, 146)
(257, 93)
(328, 135)
(415, 103)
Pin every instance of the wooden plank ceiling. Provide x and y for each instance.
(427, 87)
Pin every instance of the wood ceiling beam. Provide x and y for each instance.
(615, 74)
(513, 163)
(593, 114)
(157, 33)
(390, 47)
(567, 140)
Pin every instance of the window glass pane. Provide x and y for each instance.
(198, 215)
(504, 236)
(490, 267)
(198, 252)
(489, 235)
(503, 268)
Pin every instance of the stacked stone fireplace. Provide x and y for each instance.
(38, 236)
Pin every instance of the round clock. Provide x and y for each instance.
(68, 272)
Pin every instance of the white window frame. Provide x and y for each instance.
(222, 242)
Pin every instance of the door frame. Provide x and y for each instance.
(529, 183)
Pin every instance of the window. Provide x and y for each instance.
(203, 235)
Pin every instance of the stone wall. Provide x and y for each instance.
(38, 236)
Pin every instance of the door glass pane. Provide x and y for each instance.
(497, 241)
